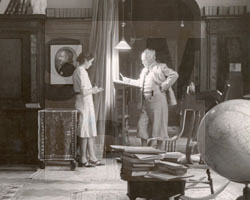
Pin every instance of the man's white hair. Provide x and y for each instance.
(149, 54)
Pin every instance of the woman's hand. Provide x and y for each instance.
(96, 90)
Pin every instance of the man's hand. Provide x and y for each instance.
(164, 86)
(126, 80)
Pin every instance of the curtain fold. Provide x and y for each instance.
(103, 38)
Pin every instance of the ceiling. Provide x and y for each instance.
(161, 10)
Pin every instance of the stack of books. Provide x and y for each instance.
(169, 171)
(171, 168)
(138, 162)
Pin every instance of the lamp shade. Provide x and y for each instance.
(123, 45)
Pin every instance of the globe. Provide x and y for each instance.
(224, 140)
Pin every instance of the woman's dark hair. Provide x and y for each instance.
(84, 56)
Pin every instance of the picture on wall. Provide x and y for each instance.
(63, 62)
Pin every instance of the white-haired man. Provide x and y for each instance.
(155, 81)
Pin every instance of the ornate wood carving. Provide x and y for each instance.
(213, 47)
(225, 38)
(33, 68)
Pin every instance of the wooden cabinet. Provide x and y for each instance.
(21, 86)
(57, 135)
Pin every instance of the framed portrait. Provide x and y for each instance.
(63, 62)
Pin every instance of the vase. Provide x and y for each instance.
(38, 6)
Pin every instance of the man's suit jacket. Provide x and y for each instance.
(67, 69)
(164, 77)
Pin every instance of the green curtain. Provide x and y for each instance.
(103, 38)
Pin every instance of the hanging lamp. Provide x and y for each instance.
(123, 45)
(182, 24)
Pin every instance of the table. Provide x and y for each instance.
(57, 135)
(154, 189)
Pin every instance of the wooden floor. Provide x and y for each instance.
(56, 184)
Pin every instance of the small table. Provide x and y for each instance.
(154, 189)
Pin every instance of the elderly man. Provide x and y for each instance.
(155, 81)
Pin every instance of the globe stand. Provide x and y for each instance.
(246, 194)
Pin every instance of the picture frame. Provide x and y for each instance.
(63, 62)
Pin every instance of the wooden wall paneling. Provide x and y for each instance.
(213, 61)
(33, 63)
(67, 29)
(219, 30)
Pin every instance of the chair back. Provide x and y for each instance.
(186, 127)
(225, 94)
(192, 137)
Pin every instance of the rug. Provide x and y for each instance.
(100, 195)
(121, 195)
(109, 172)
(224, 195)
(9, 191)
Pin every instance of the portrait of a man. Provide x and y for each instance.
(64, 62)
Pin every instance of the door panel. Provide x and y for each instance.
(17, 123)
(11, 72)
(15, 71)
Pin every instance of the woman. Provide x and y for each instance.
(84, 103)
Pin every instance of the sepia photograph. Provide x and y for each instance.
(125, 100)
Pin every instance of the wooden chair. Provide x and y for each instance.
(214, 97)
(186, 123)
(175, 132)
(191, 147)
(197, 110)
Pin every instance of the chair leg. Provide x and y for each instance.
(210, 180)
